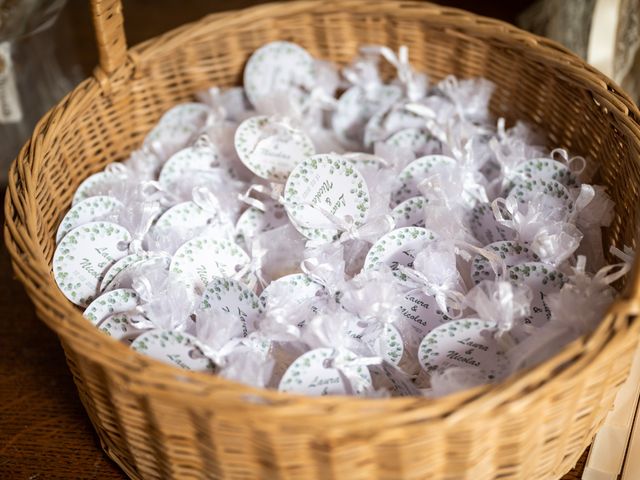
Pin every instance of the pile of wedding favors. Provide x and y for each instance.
(340, 231)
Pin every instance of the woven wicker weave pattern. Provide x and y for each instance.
(160, 422)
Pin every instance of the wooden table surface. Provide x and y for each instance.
(44, 431)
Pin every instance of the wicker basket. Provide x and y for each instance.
(156, 421)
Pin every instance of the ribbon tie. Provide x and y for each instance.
(280, 127)
(576, 164)
(343, 361)
(219, 356)
(207, 201)
(450, 302)
(603, 277)
(273, 192)
(141, 228)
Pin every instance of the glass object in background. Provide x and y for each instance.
(37, 68)
(604, 32)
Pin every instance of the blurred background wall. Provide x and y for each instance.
(47, 46)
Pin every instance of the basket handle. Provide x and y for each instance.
(109, 25)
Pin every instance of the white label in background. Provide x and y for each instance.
(10, 109)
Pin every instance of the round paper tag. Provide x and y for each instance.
(192, 159)
(254, 221)
(485, 227)
(309, 374)
(101, 183)
(188, 215)
(411, 176)
(365, 162)
(119, 266)
(511, 252)
(279, 67)
(413, 139)
(121, 327)
(154, 262)
(178, 126)
(356, 106)
(89, 210)
(466, 343)
(200, 260)
(555, 193)
(545, 169)
(388, 122)
(410, 213)
(110, 303)
(391, 346)
(83, 256)
(326, 183)
(271, 151)
(398, 247)
(174, 348)
(542, 280)
(229, 296)
(422, 312)
(301, 291)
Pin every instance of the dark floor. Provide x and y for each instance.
(44, 432)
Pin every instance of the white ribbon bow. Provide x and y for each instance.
(281, 127)
(450, 302)
(274, 192)
(352, 381)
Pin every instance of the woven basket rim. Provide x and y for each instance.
(70, 322)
